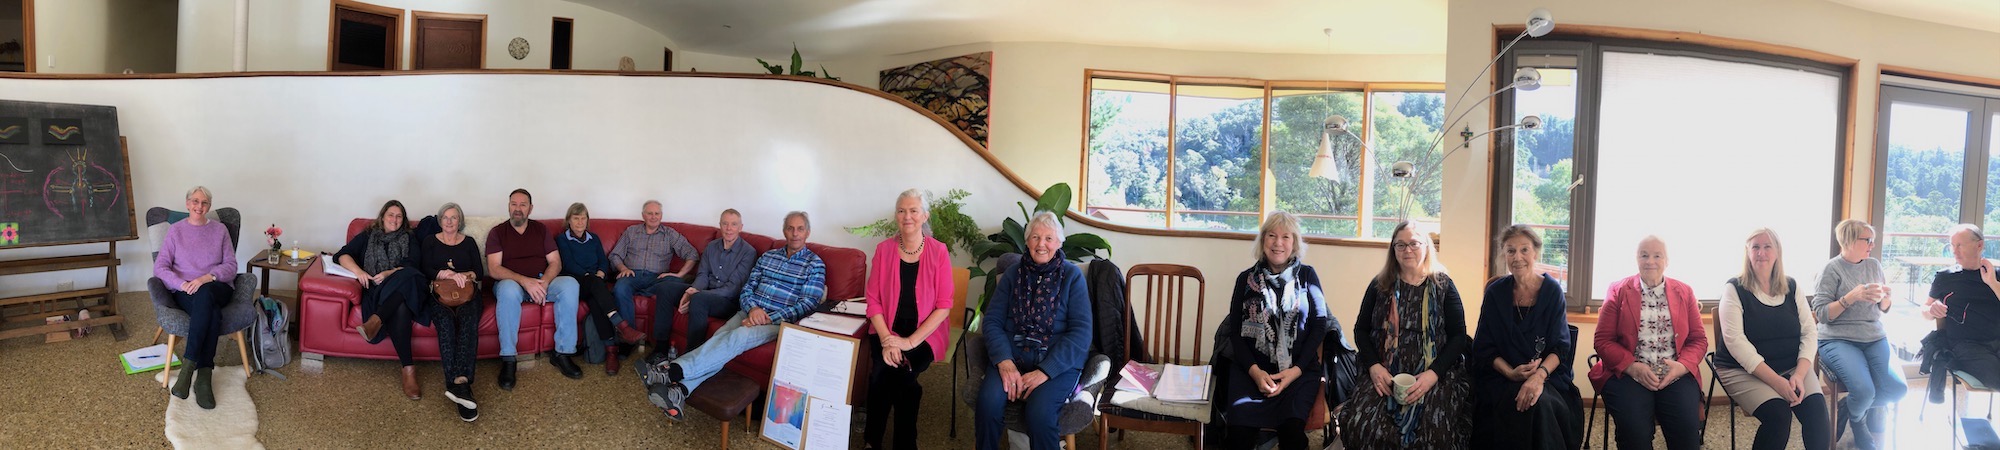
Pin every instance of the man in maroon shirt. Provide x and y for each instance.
(521, 257)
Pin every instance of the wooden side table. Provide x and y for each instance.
(284, 264)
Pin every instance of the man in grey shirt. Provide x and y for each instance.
(641, 257)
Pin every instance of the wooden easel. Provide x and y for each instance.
(102, 302)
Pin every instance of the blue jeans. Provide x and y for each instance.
(508, 296)
(733, 339)
(663, 291)
(1864, 368)
(1038, 411)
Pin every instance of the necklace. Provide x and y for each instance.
(905, 248)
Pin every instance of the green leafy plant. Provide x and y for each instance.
(794, 69)
(1013, 238)
(948, 223)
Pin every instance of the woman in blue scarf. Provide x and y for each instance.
(1524, 394)
(1037, 336)
(1283, 323)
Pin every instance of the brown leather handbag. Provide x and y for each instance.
(451, 294)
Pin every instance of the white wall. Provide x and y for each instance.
(286, 150)
(1821, 26)
(105, 36)
(206, 38)
(292, 35)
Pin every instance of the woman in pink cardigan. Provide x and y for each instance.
(909, 297)
(1649, 334)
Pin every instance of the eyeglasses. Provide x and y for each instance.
(1866, 239)
(1403, 246)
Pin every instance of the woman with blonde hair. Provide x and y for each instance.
(1411, 323)
(1849, 304)
(1765, 361)
(1276, 366)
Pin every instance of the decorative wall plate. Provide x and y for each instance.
(518, 48)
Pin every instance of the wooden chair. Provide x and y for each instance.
(1165, 305)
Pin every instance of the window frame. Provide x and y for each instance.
(1983, 113)
(1267, 197)
(1589, 48)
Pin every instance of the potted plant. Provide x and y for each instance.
(271, 237)
(1013, 238)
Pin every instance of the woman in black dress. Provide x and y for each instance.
(1524, 394)
(383, 259)
(1411, 323)
(1284, 321)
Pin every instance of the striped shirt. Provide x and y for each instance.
(650, 252)
(787, 287)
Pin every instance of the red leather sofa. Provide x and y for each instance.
(328, 309)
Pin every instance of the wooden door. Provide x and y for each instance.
(364, 37)
(449, 41)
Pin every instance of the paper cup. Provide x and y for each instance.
(1401, 386)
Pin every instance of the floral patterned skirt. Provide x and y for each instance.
(1443, 419)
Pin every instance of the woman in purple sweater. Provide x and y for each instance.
(197, 262)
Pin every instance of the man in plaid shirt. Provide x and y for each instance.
(786, 285)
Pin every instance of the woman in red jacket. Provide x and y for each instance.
(1649, 334)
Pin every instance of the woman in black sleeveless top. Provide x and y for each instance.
(1768, 347)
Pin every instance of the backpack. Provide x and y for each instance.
(270, 338)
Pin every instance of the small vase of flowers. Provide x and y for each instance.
(271, 237)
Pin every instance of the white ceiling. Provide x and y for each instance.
(1974, 14)
(835, 29)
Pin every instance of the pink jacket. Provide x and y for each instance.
(1618, 329)
(934, 288)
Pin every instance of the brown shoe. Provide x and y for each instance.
(369, 328)
(629, 335)
(410, 388)
(611, 362)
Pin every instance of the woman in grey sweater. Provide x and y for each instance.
(1852, 345)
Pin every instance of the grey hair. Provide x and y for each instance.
(807, 220)
(1285, 222)
(911, 193)
(1965, 228)
(203, 190)
(643, 206)
(1046, 219)
(449, 206)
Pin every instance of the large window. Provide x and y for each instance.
(1938, 168)
(1238, 148)
(1695, 145)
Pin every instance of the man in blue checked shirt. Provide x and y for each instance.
(786, 285)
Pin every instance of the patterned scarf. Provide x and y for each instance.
(1397, 321)
(386, 250)
(1276, 321)
(1034, 308)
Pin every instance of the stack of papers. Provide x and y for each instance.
(334, 268)
(834, 323)
(148, 359)
(1166, 382)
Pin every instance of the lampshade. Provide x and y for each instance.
(1540, 22)
(1527, 79)
(1324, 165)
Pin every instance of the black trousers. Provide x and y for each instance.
(395, 300)
(1775, 427)
(895, 389)
(204, 310)
(1979, 359)
(1676, 408)
(457, 339)
(1291, 436)
(595, 293)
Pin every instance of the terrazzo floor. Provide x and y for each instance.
(74, 395)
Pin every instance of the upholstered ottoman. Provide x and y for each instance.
(725, 396)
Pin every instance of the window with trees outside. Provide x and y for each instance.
(1238, 148)
(1698, 146)
(1938, 169)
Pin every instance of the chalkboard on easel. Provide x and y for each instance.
(65, 177)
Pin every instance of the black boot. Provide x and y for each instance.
(565, 365)
(1863, 439)
(507, 375)
(204, 393)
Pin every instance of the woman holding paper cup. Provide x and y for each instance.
(1412, 324)
(1765, 361)
(1849, 304)
(1524, 395)
(909, 295)
(1650, 340)
(1283, 313)
(1036, 330)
